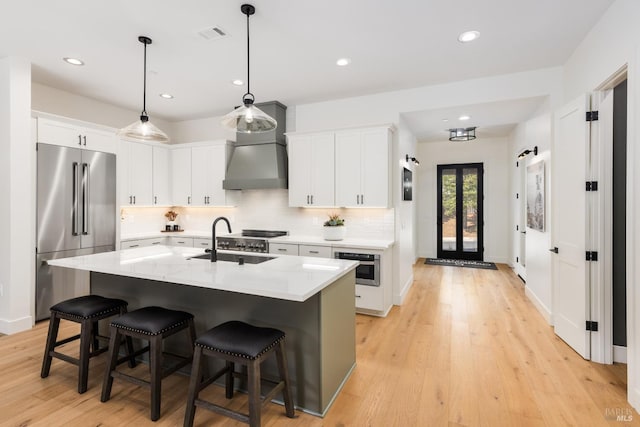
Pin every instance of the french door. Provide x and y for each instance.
(460, 220)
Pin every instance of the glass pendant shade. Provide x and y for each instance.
(143, 130)
(248, 118)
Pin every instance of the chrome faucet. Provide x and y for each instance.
(214, 251)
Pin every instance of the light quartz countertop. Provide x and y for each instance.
(293, 278)
(374, 244)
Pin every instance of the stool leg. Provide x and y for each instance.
(114, 347)
(253, 385)
(94, 336)
(155, 364)
(281, 356)
(228, 379)
(194, 387)
(86, 339)
(54, 324)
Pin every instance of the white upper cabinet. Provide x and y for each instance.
(197, 173)
(181, 176)
(311, 169)
(136, 174)
(362, 167)
(161, 181)
(76, 136)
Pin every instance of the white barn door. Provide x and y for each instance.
(570, 225)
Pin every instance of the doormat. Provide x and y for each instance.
(461, 263)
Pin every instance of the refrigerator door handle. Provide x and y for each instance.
(85, 198)
(74, 203)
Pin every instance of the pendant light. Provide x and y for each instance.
(248, 118)
(143, 129)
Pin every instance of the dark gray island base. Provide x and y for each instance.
(320, 332)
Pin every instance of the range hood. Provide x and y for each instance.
(259, 160)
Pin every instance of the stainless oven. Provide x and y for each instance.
(368, 272)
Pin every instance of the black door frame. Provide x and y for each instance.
(459, 253)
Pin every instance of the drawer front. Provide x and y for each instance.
(369, 297)
(283, 248)
(315, 251)
(140, 243)
(181, 241)
(199, 242)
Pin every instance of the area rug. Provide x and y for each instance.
(461, 263)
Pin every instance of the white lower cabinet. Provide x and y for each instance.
(200, 242)
(369, 297)
(140, 243)
(180, 241)
(315, 251)
(283, 248)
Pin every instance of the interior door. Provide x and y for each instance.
(570, 225)
(460, 217)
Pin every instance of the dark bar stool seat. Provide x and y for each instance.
(86, 310)
(239, 342)
(151, 324)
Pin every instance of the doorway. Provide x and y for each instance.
(460, 213)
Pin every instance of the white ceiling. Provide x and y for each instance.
(393, 45)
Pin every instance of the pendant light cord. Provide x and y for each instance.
(144, 79)
(246, 95)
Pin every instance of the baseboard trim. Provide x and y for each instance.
(619, 354)
(542, 309)
(399, 299)
(9, 327)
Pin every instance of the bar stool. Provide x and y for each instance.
(87, 311)
(239, 342)
(151, 324)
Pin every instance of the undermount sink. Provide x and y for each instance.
(248, 259)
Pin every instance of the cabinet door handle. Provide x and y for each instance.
(188, 200)
(282, 249)
(155, 200)
(358, 296)
(362, 199)
(357, 199)
(155, 243)
(181, 243)
(307, 199)
(134, 200)
(130, 200)
(314, 252)
(312, 199)
(133, 246)
(84, 138)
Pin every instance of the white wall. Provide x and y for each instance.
(17, 190)
(612, 43)
(532, 133)
(493, 153)
(55, 101)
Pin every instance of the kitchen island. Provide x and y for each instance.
(310, 299)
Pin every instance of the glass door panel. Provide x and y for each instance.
(460, 217)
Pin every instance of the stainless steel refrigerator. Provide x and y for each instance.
(76, 205)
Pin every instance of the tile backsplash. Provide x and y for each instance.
(262, 209)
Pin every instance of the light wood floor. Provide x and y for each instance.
(466, 349)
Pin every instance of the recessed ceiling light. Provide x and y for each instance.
(73, 61)
(166, 96)
(464, 117)
(445, 120)
(238, 82)
(468, 36)
(342, 62)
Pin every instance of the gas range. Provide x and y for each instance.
(248, 240)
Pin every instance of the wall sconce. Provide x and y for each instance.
(413, 159)
(527, 151)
